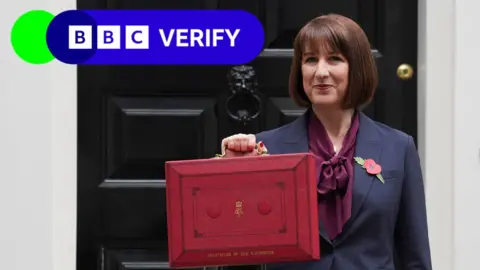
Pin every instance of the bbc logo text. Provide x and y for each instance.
(108, 37)
(137, 37)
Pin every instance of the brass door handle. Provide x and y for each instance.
(405, 72)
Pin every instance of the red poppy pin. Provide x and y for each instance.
(371, 167)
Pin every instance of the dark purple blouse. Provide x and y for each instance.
(335, 175)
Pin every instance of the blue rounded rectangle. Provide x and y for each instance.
(165, 37)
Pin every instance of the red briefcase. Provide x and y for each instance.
(238, 211)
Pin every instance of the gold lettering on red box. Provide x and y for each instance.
(242, 253)
(219, 254)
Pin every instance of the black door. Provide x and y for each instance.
(134, 118)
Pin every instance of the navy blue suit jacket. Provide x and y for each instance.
(387, 219)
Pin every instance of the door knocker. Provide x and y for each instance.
(243, 104)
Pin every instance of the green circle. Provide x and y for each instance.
(29, 37)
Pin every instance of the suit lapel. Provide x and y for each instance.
(367, 147)
(296, 141)
(296, 137)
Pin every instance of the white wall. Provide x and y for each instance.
(38, 142)
(436, 76)
(467, 134)
(449, 123)
(38, 154)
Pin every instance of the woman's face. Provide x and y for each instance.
(325, 77)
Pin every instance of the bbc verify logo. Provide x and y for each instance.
(108, 37)
(143, 37)
(137, 37)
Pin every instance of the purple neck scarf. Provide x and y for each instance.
(335, 174)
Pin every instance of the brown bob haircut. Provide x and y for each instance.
(340, 35)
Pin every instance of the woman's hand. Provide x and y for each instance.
(240, 145)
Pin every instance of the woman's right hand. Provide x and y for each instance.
(240, 145)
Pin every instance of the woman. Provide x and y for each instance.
(367, 221)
